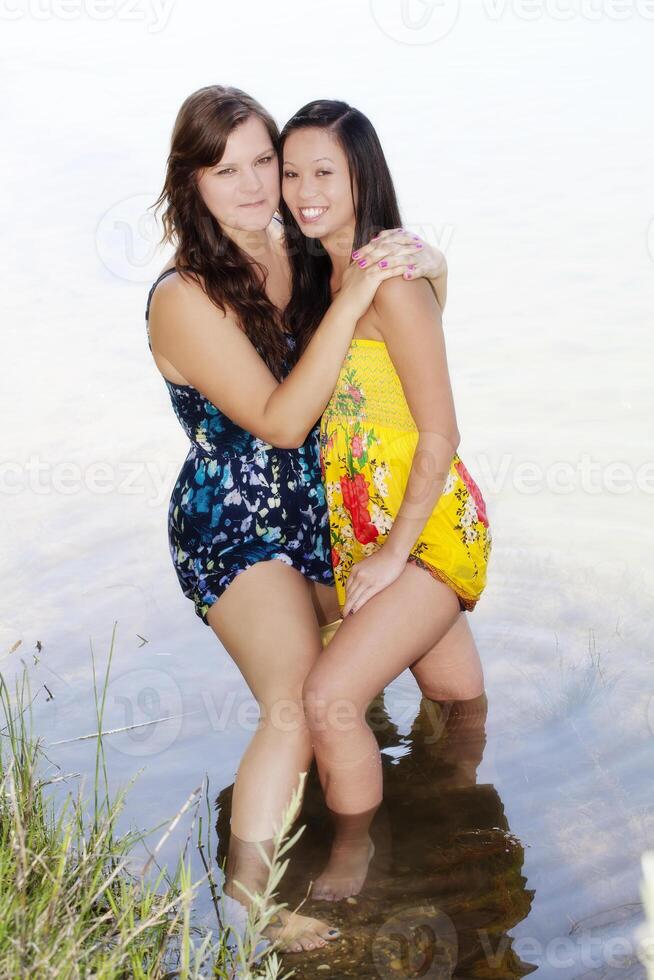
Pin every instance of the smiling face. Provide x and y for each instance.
(242, 190)
(316, 183)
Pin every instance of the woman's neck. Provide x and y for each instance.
(339, 245)
(256, 244)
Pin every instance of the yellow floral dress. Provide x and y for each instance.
(367, 441)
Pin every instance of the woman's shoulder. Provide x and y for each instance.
(397, 290)
(182, 299)
(398, 298)
(179, 286)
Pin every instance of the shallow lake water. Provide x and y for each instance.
(509, 841)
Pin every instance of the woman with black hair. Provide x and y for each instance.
(409, 532)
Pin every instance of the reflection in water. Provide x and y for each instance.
(445, 883)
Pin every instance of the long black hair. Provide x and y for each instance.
(376, 208)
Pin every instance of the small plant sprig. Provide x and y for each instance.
(70, 904)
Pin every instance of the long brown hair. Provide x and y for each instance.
(204, 253)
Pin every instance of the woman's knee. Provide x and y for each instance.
(463, 688)
(450, 673)
(330, 713)
(282, 711)
(313, 700)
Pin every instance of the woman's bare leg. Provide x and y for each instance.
(451, 670)
(325, 603)
(386, 635)
(267, 623)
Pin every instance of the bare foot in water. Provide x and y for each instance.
(296, 932)
(292, 932)
(245, 867)
(346, 870)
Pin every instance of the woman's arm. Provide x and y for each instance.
(409, 319)
(209, 349)
(438, 279)
(396, 245)
(410, 322)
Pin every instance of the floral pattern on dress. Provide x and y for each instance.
(356, 469)
(358, 495)
(239, 500)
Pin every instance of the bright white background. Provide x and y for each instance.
(520, 138)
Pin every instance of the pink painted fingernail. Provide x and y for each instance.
(411, 266)
(383, 264)
(419, 245)
(355, 255)
(363, 263)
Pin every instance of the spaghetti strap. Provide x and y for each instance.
(154, 285)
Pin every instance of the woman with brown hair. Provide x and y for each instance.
(248, 527)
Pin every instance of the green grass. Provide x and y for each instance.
(71, 905)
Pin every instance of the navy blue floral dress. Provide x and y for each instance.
(239, 500)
